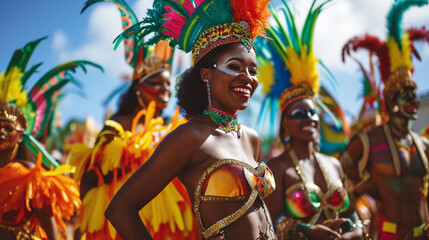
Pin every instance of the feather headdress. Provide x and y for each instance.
(288, 73)
(37, 104)
(146, 61)
(292, 58)
(394, 54)
(201, 25)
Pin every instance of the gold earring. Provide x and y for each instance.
(139, 99)
(14, 152)
(395, 108)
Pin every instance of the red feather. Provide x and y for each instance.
(375, 46)
(416, 34)
(255, 12)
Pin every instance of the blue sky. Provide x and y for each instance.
(89, 36)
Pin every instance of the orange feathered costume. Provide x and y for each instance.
(25, 189)
(168, 216)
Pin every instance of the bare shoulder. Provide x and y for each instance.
(190, 134)
(249, 133)
(280, 163)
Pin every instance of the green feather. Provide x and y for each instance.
(281, 30)
(21, 57)
(68, 66)
(394, 17)
(293, 31)
(30, 72)
(310, 22)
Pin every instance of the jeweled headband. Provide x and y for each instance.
(201, 25)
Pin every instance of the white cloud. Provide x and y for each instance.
(60, 40)
(103, 27)
(141, 7)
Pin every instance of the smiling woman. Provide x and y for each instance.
(214, 157)
(310, 200)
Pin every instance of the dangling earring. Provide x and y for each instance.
(395, 108)
(317, 145)
(209, 95)
(14, 152)
(139, 99)
(286, 142)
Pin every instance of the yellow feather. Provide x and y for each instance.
(303, 68)
(266, 76)
(78, 157)
(155, 213)
(112, 155)
(399, 58)
(11, 88)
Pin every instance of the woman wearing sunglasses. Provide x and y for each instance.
(310, 196)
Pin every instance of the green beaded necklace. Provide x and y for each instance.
(227, 122)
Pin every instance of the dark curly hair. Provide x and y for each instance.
(191, 91)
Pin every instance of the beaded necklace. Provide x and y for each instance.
(227, 122)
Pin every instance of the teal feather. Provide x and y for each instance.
(281, 30)
(128, 19)
(68, 66)
(35, 147)
(394, 17)
(262, 113)
(177, 7)
(310, 22)
(216, 13)
(89, 3)
(293, 30)
(331, 78)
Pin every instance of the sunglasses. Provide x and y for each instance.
(300, 114)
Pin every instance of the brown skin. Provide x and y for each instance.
(303, 134)
(189, 150)
(10, 138)
(400, 196)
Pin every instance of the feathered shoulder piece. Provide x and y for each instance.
(394, 54)
(292, 58)
(37, 103)
(29, 189)
(201, 25)
(144, 60)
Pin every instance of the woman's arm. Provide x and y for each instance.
(47, 221)
(168, 160)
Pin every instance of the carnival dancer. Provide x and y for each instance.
(390, 161)
(34, 202)
(126, 142)
(213, 156)
(310, 196)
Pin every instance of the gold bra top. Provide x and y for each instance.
(232, 180)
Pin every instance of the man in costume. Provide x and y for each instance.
(389, 162)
